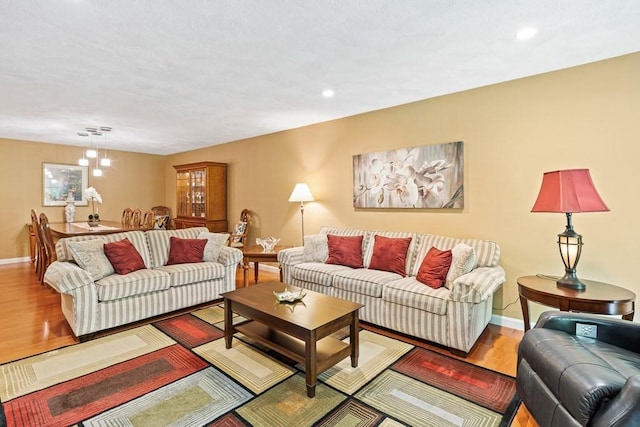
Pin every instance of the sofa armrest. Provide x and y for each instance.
(230, 256)
(623, 410)
(477, 285)
(64, 277)
(614, 331)
(291, 256)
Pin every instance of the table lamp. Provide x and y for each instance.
(569, 191)
(301, 193)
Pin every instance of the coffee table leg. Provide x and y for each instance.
(228, 323)
(524, 303)
(354, 339)
(310, 364)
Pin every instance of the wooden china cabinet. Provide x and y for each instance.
(201, 196)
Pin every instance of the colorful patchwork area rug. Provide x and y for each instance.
(177, 372)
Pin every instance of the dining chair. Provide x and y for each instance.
(238, 235)
(162, 217)
(126, 216)
(136, 218)
(48, 245)
(148, 219)
(35, 225)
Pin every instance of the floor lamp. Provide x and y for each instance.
(301, 193)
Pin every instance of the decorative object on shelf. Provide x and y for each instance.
(268, 243)
(430, 176)
(569, 191)
(94, 197)
(70, 208)
(92, 152)
(290, 295)
(301, 193)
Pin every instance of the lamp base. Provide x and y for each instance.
(570, 280)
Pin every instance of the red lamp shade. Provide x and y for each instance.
(570, 190)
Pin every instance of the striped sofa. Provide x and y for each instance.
(454, 316)
(116, 300)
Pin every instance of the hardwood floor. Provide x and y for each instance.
(32, 322)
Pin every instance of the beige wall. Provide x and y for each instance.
(134, 180)
(584, 117)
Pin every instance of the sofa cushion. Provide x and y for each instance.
(159, 242)
(89, 255)
(411, 293)
(345, 250)
(215, 243)
(462, 262)
(316, 248)
(487, 252)
(139, 282)
(315, 272)
(434, 268)
(124, 257)
(363, 281)
(390, 254)
(187, 274)
(138, 238)
(369, 245)
(183, 251)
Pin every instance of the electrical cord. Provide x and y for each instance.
(505, 307)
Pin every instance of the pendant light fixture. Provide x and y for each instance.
(93, 151)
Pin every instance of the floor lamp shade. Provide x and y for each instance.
(301, 193)
(569, 191)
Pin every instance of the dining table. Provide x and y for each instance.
(69, 229)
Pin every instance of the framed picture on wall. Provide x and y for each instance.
(60, 181)
(428, 177)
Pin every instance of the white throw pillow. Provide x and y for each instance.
(89, 255)
(215, 242)
(463, 261)
(316, 248)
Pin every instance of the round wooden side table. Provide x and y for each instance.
(256, 254)
(597, 298)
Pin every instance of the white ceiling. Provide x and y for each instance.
(171, 76)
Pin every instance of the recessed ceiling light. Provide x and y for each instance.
(328, 93)
(526, 33)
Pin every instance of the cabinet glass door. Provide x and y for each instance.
(198, 180)
(182, 183)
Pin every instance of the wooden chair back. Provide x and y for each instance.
(148, 219)
(35, 226)
(47, 240)
(238, 236)
(136, 218)
(126, 216)
(163, 211)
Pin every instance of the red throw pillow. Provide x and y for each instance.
(124, 257)
(390, 254)
(345, 250)
(182, 251)
(434, 268)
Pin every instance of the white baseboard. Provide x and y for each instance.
(14, 260)
(508, 322)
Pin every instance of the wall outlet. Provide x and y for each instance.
(589, 331)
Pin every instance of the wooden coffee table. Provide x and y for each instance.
(299, 331)
(256, 254)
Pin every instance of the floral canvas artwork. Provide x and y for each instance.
(430, 176)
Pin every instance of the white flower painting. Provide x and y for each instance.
(430, 176)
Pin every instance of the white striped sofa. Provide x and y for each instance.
(116, 300)
(452, 317)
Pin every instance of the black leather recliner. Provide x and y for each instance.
(568, 380)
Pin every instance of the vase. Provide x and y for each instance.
(70, 211)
